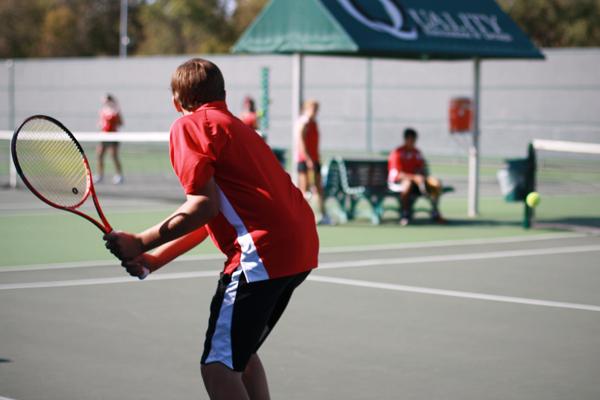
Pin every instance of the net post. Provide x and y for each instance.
(12, 171)
(12, 174)
(527, 216)
(530, 185)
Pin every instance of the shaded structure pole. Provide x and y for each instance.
(123, 37)
(369, 110)
(297, 100)
(473, 191)
(10, 65)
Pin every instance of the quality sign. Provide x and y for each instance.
(429, 23)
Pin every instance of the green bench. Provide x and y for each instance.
(349, 181)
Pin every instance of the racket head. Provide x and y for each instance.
(53, 165)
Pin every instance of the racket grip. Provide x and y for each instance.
(144, 274)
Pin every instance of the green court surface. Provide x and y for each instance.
(52, 236)
(481, 307)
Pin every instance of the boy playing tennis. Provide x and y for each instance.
(239, 195)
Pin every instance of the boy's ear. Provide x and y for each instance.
(177, 104)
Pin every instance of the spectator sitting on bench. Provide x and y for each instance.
(407, 175)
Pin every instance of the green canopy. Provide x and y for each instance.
(409, 29)
(421, 29)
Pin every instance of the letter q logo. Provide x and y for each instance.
(394, 12)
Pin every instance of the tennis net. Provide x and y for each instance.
(144, 157)
(568, 180)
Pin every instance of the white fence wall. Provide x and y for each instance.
(555, 99)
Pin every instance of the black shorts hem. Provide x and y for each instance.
(202, 363)
(303, 167)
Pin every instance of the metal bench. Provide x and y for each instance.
(351, 180)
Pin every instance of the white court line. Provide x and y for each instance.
(454, 293)
(99, 263)
(329, 265)
(459, 257)
(324, 279)
(106, 281)
(458, 242)
(326, 250)
(5, 398)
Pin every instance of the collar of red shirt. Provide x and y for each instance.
(219, 105)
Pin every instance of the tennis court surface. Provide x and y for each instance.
(499, 318)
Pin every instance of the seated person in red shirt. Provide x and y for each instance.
(238, 193)
(407, 174)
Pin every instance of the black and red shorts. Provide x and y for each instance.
(243, 314)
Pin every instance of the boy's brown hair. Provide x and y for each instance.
(197, 81)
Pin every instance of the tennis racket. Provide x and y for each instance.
(52, 164)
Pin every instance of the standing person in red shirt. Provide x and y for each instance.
(237, 193)
(308, 158)
(248, 115)
(407, 174)
(110, 121)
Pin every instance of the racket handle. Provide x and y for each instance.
(144, 274)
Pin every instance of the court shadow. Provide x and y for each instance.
(5, 360)
(591, 224)
(425, 221)
(584, 221)
(481, 222)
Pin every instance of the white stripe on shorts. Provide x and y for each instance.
(220, 346)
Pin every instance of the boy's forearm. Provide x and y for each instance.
(169, 251)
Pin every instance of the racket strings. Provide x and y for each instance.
(52, 163)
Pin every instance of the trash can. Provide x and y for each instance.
(514, 179)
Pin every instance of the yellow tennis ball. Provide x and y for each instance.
(533, 199)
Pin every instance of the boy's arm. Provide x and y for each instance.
(197, 211)
(164, 254)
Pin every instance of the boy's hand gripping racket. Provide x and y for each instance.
(52, 164)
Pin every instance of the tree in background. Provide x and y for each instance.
(19, 27)
(557, 23)
(184, 26)
(64, 28)
(59, 33)
(244, 14)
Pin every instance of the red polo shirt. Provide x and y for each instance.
(409, 161)
(264, 224)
